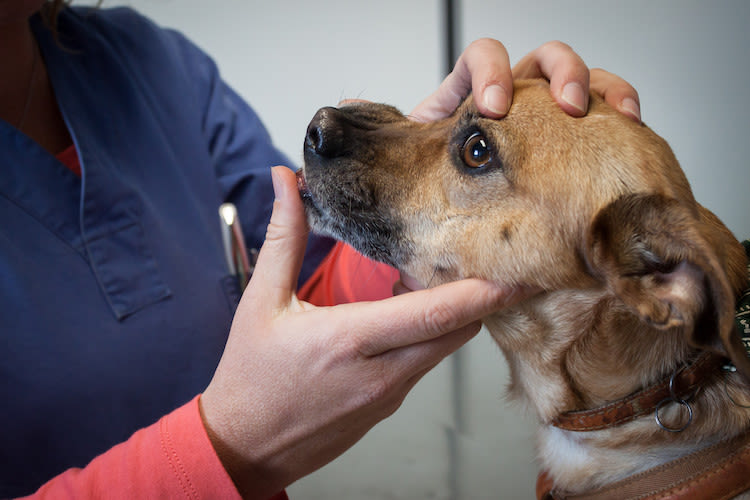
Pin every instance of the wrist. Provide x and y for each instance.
(253, 479)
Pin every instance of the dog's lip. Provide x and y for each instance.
(304, 191)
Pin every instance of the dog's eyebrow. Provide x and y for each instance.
(467, 112)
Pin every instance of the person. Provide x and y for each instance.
(130, 366)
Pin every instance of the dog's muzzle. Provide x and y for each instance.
(338, 184)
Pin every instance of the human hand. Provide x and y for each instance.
(484, 69)
(297, 385)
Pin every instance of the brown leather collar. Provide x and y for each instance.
(679, 386)
(721, 471)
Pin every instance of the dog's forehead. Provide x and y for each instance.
(466, 110)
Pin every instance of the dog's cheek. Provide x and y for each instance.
(423, 254)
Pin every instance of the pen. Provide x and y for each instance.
(239, 262)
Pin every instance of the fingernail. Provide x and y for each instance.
(496, 99)
(631, 107)
(279, 188)
(573, 94)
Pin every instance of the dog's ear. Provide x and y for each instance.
(675, 266)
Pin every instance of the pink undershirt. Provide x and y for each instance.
(69, 158)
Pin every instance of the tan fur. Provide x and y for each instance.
(635, 275)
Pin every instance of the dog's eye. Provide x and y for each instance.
(476, 151)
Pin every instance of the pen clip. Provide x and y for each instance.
(239, 262)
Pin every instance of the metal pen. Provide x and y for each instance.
(239, 262)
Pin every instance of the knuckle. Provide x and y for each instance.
(605, 82)
(376, 391)
(482, 47)
(275, 231)
(600, 73)
(358, 345)
(486, 43)
(351, 347)
(558, 59)
(556, 46)
(440, 318)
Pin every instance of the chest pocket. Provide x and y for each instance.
(125, 268)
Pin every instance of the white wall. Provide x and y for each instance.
(688, 59)
(290, 57)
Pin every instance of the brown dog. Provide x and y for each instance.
(628, 354)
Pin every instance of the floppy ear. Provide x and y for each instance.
(675, 266)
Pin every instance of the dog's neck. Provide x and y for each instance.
(557, 369)
(574, 349)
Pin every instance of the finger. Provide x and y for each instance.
(407, 365)
(349, 102)
(406, 284)
(567, 74)
(406, 360)
(443, 101)
(280, 258)
(424, 315)
(617, 93)
(394, 392)
(484, 69)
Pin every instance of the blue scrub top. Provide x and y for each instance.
(115, 298)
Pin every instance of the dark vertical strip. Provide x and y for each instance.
(457, 362)
(450, 21)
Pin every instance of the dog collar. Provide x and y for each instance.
(678, 387)
(719, 471)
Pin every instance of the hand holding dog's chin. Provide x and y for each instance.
(484, 69)
(298, 385)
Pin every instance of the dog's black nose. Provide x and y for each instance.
(325, 134)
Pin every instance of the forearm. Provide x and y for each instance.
(172, 458)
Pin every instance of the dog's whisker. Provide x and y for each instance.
(432, 278)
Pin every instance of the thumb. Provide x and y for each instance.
(280, 258)
(445, 100)
(484, 69)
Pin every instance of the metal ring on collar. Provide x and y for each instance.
(681, 402)
(672, 391)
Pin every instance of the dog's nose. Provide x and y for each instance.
(325, 134)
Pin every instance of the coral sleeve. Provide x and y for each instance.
(347, 276)
(172, 458)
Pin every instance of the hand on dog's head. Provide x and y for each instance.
(537, 199)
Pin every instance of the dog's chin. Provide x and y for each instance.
(368, 234)
(315, 215)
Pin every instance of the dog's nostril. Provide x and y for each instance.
(313, 139)
(325, 134)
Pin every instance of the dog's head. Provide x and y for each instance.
(538, 198)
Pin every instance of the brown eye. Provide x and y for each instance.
(476, 151)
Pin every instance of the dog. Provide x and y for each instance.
(629, 354)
